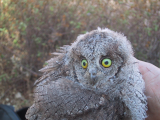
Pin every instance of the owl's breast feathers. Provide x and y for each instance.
(64, 98)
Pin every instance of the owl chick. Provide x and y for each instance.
(95, 78)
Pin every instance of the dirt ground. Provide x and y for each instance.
(18, 93)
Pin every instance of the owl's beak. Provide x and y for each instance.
(93, 76)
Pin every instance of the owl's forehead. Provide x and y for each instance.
(102, 42)
(96, 45)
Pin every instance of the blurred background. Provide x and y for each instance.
(30, 30)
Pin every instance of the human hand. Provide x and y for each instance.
(151, 76)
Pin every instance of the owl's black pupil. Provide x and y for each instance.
(106, 62)
(84, 64)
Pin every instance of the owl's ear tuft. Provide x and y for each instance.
(72, 54)
(75, 51)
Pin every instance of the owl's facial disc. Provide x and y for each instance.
(97, 71)
(96, 65)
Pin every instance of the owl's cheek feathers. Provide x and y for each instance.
(98, 81)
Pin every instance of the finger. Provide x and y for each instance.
(145, 67)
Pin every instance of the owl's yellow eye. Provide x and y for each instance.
(106, 62)
(84, 63)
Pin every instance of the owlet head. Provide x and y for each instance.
(97, 56)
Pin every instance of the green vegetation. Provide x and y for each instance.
(30, 30)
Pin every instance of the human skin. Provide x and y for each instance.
(151, 76)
